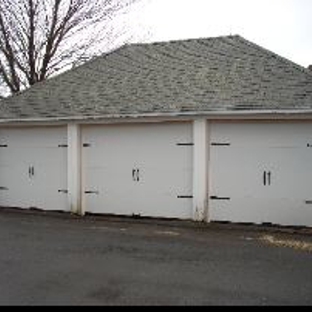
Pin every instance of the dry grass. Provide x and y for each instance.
(287, 243)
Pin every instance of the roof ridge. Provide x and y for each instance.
(179, 40)
(277, 56)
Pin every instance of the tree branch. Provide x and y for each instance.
(8, 53)
(40, 37)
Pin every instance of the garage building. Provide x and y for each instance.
(216, 129)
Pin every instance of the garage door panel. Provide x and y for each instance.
(49, 176)
(266, 171)
(36, 167)
(141, 168)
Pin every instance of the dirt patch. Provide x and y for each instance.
(287, 243)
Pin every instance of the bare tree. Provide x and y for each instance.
(40, 37)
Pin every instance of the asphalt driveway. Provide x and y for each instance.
(58, 259)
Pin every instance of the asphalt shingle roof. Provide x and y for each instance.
(222, 74)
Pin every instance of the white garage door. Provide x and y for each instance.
(33, 168)
(143, 170)
(261, 173)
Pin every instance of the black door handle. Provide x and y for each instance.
(133, 174)
(269, 177)
(138, 175)
(31, 171)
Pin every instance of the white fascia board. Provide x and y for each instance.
(252, 114)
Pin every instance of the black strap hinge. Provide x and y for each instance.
(63, 191)
(219, 198)
(220, 144)
(185, 144)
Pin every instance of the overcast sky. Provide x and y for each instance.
(282, 26)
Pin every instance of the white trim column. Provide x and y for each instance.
(200, 173)
(74, 168)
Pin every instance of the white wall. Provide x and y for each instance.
(200, 171)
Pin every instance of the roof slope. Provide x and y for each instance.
(220, 74)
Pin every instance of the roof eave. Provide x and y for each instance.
(246, 114)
